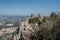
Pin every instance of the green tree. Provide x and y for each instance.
(34, 20)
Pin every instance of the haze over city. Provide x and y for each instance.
(27, 7)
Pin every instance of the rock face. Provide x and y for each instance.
(27, 29)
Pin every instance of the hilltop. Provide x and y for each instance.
(41, 28)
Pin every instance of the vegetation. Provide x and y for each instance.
(34, 20)
(44, 33)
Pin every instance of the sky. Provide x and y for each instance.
(27, 7)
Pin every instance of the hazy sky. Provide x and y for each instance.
(27, 7)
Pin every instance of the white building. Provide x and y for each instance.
(9, 24)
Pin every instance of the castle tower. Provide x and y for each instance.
(32, 15)
(40, 17)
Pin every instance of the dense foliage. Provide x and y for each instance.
(46, 33)
(34, 20)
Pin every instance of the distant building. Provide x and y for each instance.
(9, 24)
(2, 23)
(7, 30)
(1, 33)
